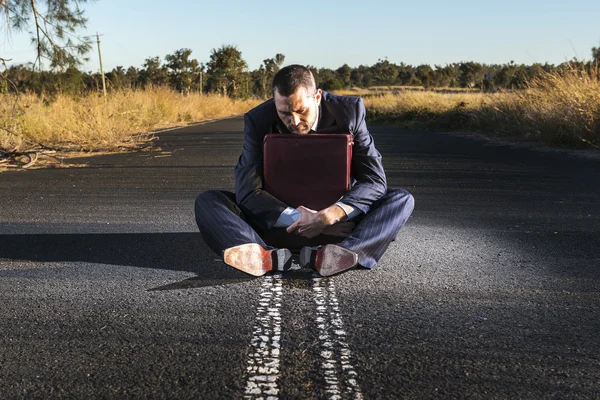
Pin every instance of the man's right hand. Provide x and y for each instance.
(342, 229)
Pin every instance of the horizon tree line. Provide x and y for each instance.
(53, 31)
(227, 73)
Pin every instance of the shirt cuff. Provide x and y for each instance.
(350, 211)
(287, 218)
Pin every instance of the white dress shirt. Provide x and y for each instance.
(291, 215)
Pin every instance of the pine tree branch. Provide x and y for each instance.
(37, 30)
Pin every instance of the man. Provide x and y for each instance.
(365, 220)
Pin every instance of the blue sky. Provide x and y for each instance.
(331, 33)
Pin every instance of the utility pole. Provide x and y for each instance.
(101, 67)
(201, 82)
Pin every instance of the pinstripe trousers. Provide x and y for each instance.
(223, 224)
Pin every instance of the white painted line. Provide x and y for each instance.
(340, 375)
(263, 358)
(328, 361)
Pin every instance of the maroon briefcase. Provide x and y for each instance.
(310, 170)
(307, 170)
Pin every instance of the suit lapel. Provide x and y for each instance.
(327, 122)
(278, 126)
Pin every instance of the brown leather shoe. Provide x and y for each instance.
(328, 260)
(253, 259)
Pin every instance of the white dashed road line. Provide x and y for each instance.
(263, 359)
(264, 356)
(340, 376)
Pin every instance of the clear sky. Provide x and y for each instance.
(331, 33)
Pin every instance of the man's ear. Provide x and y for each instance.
(318, 96)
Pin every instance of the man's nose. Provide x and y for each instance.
(295, 119)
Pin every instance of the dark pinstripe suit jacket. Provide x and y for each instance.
(337, 114)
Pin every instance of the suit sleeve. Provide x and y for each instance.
(366, 168)
(258, 205)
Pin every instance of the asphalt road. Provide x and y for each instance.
(491, 290)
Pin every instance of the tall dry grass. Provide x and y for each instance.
(376, 91)
(421, 106)
(95, 123)
(556, 109)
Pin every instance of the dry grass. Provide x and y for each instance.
(93, 123)
(424, 103)
(383, 90)
(557, 109)
(561, 110)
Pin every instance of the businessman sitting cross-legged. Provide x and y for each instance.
(364, 221)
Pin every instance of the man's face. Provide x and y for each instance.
(298, 111)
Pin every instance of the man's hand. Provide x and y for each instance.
(342, 229)
(310, 224)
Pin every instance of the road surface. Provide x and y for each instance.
(491, 290)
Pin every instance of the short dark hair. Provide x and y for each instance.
(293, 77)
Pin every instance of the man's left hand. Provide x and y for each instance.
(310, 224)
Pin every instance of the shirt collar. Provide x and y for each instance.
(314, 127)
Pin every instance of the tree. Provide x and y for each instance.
(425, 74)
(504, 76)
(132, 76)
(385, 73)
(226, 70)
(471, 74)
(361, 76)
(53, 25)
(595, 63)
(117, 77)
(329, 80)
(267, 71)
(153, 74)
(344, 73)
(406, 75)
(446, 76)
(71, 81)
(356, 76)
(181, 69)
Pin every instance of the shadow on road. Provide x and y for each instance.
(167, 251)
